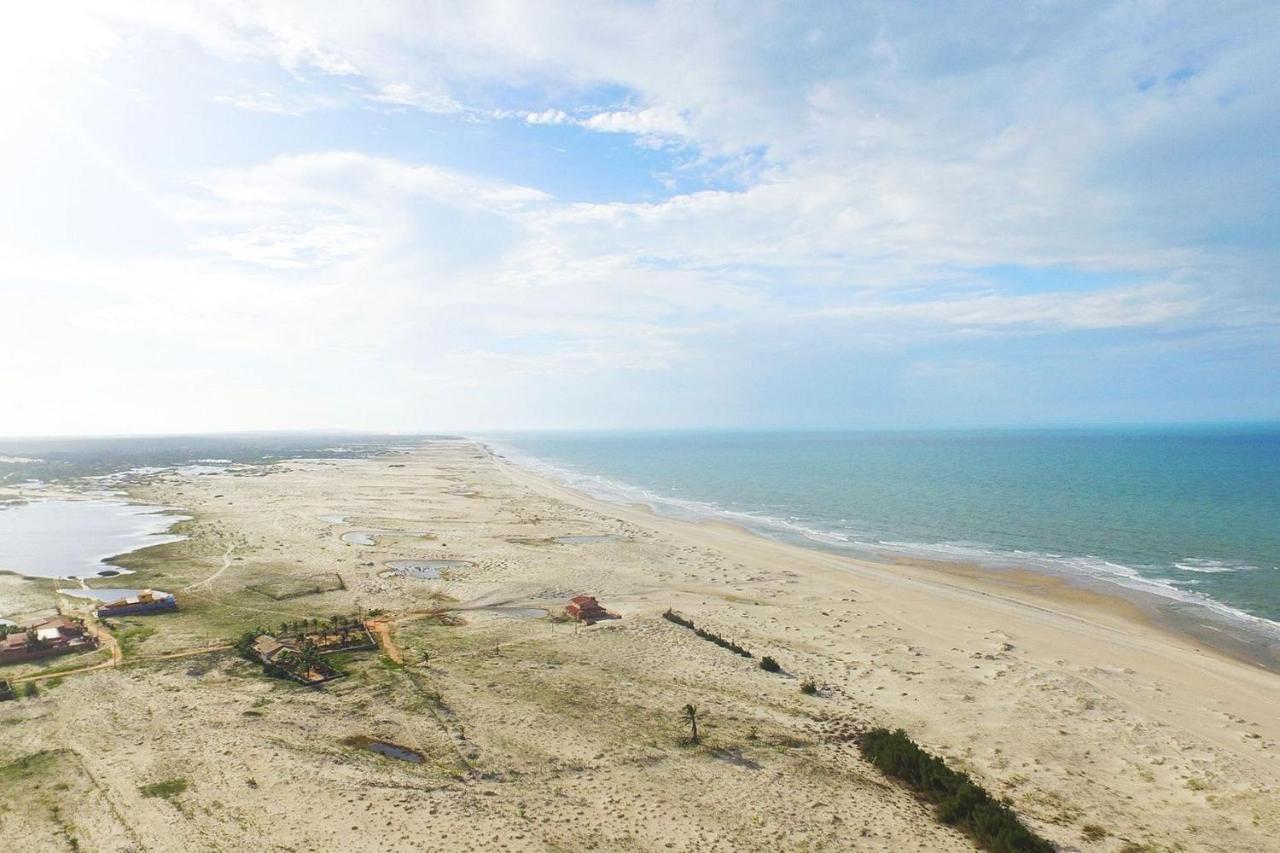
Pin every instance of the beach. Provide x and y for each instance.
(1103, 723)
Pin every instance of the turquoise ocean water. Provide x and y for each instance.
(1188, 514)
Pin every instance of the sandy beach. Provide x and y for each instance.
(1105, 729)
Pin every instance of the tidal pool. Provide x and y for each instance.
(73, 539)
(382, 747)
(425, 569)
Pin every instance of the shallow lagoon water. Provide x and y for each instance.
(73, 539)
(425, 569)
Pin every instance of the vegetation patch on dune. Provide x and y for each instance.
(168, 789)
(280, 589)
(672, 616)
(959, 800)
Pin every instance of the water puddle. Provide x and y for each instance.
(382, 747)
(425, 569)
(359, 537)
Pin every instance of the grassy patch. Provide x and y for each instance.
(168, 789)
(280, 589)
(131, 634)
(33, 764)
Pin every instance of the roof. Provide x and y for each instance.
(58, 623)
(268, 646)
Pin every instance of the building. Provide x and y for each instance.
(586, 609)
(268, 648)
(57, 636)
(146, 601)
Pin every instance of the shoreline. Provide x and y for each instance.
(1155, 587)
(1025, 587)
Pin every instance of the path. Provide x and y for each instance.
(381, 630)
(226, 564)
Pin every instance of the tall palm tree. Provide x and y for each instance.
(690, 714)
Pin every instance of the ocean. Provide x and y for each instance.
(1190, 514)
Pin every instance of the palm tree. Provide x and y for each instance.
(309, 658)
(690, 714)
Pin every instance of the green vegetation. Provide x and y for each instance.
(1093, 832)
(768, 664)
(281, 589)
(672, 616)
(809, 687)
(132, 634)
(167, 789)
(958, 799)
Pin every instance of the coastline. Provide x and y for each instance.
(1077, 710)
(1193, 626)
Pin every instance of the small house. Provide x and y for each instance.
(146, 601)
(268, 648)
(586, 609)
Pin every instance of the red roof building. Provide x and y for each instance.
(586, 609)
(56, 636)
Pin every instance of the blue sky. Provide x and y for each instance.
(419, 216)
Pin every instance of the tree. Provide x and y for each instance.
(309, 658)
(690, 715)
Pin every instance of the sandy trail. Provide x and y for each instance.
(226, 564)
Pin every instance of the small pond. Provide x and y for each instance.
(382, 747)
(359, 537)
(425, 569)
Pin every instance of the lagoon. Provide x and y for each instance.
(75, 539)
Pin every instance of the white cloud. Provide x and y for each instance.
(649, 122)
(404, 94)
(866, 177)
(548, 117)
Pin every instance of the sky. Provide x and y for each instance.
(422, 216)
